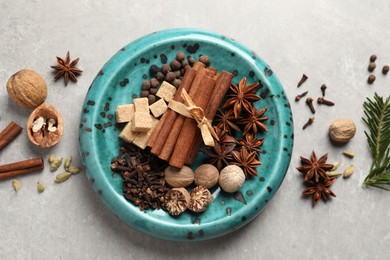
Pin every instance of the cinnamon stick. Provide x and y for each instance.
(164, 130)
(170, 140)
(9, 133)
(188, 132)
(156, 131)
(19, 168)
(221, 87)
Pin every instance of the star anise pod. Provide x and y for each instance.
(320, 190)
(248, 161)
(242, 97)
(251, 143)
(224, 120)
(66, 68)
(254, 120)
(220, 155)
(315, 168)
(224, 138)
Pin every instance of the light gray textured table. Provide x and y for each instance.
(330, 41)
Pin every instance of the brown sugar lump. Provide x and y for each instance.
(124, 113)
(127, 134)
(142, 122)
(141, 138)
(166, 91)
(158, 108)
(141, 105)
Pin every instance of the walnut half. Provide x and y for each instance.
(45, 126)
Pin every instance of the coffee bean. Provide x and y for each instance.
(371, 79)
(373, 58)
(371, 66)
(385, 69)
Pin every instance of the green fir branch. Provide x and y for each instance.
(377, 118)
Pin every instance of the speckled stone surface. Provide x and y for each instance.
(330, 41)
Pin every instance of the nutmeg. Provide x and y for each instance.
(45, 126)
(27, 88)
(178, 178)
(201, 198)
(176, 201)
(342, 130)
(206, 175)
(231, 178)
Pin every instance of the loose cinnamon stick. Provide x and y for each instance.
(170, 141)
(221, 87)
(19, 168)
(188, 132)
(9, 133)
(162, 132)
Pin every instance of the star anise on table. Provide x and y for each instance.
(320, 190)
(220, 156)
(66, 68)
(247, 160)
(251, 143)
(224, 138)
(242, 97)
(315, 168)
(254, 120)
(224, 120)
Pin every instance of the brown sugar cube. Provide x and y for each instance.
(124, 113)
(158, 108)
(142, 122)
(141, 105)
(142, 138)
(166, 91)
(127, 134)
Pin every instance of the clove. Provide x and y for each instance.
(323, 101)
(303, 79)
(298, 97)
(309, 102)
(309, 122)
(323, 88)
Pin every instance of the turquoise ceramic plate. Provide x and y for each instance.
(119, 81)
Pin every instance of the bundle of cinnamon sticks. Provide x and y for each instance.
(176, 138)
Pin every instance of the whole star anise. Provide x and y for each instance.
(254, 120)
(242, 97)
(315, 168)
(251, 143)
(248, 161)
(66, 68)
(220, 155)
(320, 190)
(224, 138)
(224, 120)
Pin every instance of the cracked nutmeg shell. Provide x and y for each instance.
(48, 133)
(200, 199)
(176, 201)
(27, 88)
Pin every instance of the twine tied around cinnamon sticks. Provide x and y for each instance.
(197, 113)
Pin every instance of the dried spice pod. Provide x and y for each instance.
(200, 199)
(178, 178)
(45, 126)
(176, 201)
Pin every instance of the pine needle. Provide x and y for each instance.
(377, 118)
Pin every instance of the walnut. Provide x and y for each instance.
(27, 89)
(179, 178)
(176, 201)
(342, 130)
(200, 199)
(206, 175)
(45, 126)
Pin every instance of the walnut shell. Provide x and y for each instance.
(27, 89)
(44, 137)
(342, 130)
(176, 201)
(200, 199)
(179, 178)
(206, 175)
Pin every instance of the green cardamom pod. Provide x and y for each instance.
(51, 158)
(16, 185)
(41, 187)
(349, 153)
(67, 163)
(348, 171)
(62, 177)
(73, 170)
(335, 166)
(334, 173)
(56, 164)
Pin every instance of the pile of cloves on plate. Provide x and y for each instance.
(309, 100)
